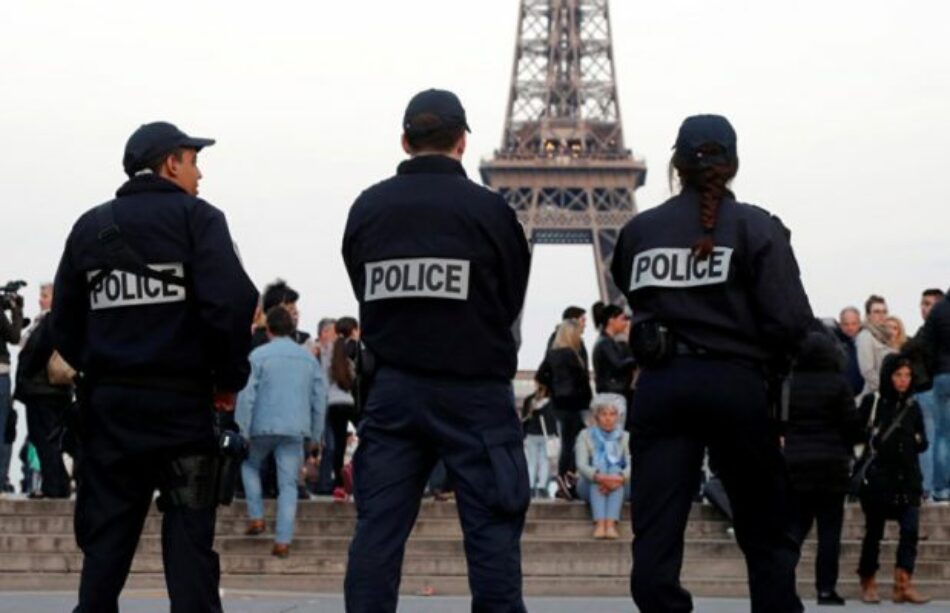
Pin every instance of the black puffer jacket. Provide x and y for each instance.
(823, 422)
(570, 380)
(894, 477)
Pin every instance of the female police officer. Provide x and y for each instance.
(717, 299)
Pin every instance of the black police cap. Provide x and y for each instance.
(700, 130)
(155, 139)
(435, 102)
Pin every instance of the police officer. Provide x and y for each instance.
(440, 268)
(717, 301)
(153, 306)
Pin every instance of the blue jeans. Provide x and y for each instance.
(941, 438)
(288, 452)
(6, 405)
(926, 402)
(539, 468)
(602, 506)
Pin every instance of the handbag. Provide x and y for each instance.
(552, 444)
(58, 370)
(859, 474)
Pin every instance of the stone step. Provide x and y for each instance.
(325, 508)
(578, 587)
(704, 567)
(560, 558)
(433, 528)
(938, 551)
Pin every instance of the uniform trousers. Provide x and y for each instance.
(826, 509)
(128, 439)
(409, 422)
(43, 415)
(683, 408)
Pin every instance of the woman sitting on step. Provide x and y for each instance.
(602, 455)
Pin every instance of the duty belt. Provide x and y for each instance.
(686, 350)
(172, 384)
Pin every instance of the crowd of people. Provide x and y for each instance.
(868, 415)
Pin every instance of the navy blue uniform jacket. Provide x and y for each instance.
(129, 326)
(745, 301)
(440, 267)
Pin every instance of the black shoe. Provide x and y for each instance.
(830, 598)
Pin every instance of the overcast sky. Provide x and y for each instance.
(841, 109)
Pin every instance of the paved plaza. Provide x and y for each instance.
(248, 602)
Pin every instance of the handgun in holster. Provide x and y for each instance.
(653, 343)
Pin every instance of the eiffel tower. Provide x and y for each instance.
(562, 165)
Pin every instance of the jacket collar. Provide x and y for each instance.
(147, 183)
(431, 164)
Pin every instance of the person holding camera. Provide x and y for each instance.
(10, 329)
(718, 307)
(153, 307)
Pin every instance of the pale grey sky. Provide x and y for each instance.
(841, 110)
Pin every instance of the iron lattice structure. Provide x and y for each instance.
(563, 165)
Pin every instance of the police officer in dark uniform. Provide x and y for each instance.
(153, 307)
(717, 303)
(440, 268)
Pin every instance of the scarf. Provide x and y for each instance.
(880, 333)
(608, 452)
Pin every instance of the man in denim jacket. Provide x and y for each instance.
(283, 405)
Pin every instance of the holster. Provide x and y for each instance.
(232, 451)
(778, 380)
(190, 482)
(69, 431)
(652, 343)
(206, 480)
(365, 373)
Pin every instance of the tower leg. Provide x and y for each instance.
(604, 242)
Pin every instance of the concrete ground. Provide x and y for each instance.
(248, 602)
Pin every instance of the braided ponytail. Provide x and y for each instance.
(711, 181)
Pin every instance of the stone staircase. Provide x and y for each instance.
(559, 557)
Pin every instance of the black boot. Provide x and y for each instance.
(830, 598)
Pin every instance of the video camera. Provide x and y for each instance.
(10, 297)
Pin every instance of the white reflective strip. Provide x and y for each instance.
(676, 267)
(124, 289)
(417, 278)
